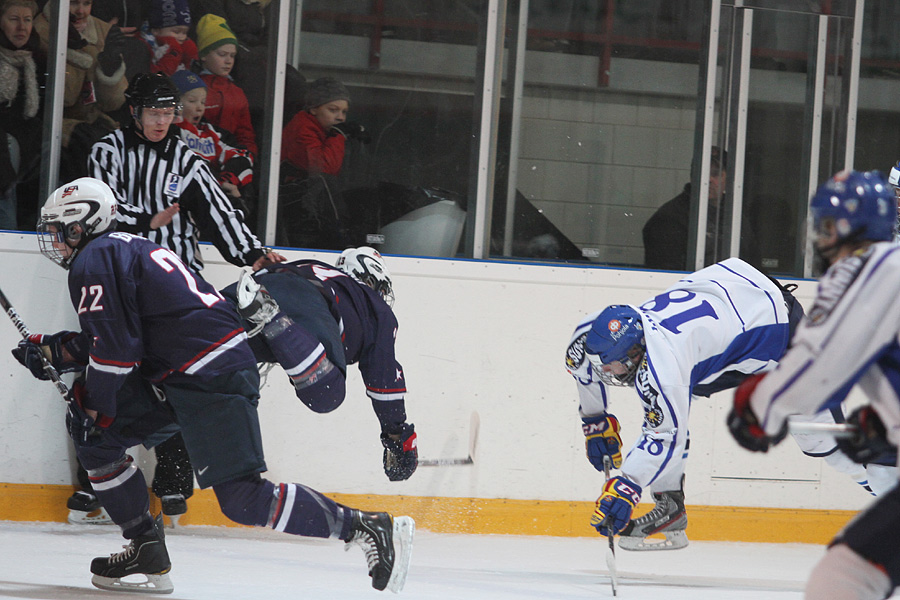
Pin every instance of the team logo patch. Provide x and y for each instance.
(653, 414)
(69, 190)
(614, 326)
(575, 353)
(173, 183)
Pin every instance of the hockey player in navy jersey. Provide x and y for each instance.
(167, 351)
(315, 320)
(700, 336)
(849, 337)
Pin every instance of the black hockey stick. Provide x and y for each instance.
(474, 425)
(611, 555)
(23, 329)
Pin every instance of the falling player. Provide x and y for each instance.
(849, 337)
(315, 319)
(702, 335)
(159, 331)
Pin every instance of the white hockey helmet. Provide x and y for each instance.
(366, 265)
(73, 215)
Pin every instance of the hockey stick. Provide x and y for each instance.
(838, 430)
(611, 555)
(23, 329)
(474, 425)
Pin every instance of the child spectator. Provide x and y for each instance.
(167, 35)
(226, 104)
(232, 165)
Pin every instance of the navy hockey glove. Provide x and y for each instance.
(602, 439)
(615, 505)
(401, 454)
(353, 131)
(30, 352)
(743, 424)
(83, 429)
(869, 441)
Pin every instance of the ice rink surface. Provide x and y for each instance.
(51, 561)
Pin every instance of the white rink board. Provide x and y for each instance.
(474, 336)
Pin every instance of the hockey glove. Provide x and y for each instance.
(353, 131)
(229, 177)
(401, 454)
(615, 505)
(83, 429)
(743, 424)
(30, 352)
(869, 441)
(602, 439)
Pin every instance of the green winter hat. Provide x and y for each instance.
(213, 31)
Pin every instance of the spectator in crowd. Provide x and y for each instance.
(95, 80)
(231, 164)
(21, 71)
(167, 36)
(129, 15)
(666, 232)
(226, 103)
(312, 148)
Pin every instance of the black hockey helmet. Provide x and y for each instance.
(152, 90)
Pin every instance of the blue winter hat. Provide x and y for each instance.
(186, 81)
(169, 13)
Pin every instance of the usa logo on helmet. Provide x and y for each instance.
(69, 190)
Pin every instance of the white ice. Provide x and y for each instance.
(51, 561)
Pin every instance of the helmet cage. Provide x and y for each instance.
(617, 334)
(61, 236)
(631, 363)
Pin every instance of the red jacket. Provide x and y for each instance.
(306, 145)
(214, 146)
(227, 108)
(169, 55)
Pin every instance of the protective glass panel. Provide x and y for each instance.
(378, 137)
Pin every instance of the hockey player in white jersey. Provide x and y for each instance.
(704, 334)
(849, 337)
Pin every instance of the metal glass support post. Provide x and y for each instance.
(278, 38)
(516, 127)
(703, 137)
(853, 84)
(55, 96)
(487, 102)
(737, 143)
(815, 98)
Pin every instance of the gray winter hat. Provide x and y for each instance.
(325, 90)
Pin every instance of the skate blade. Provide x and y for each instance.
(95, 517)
(153, 583)
(675, 540)
(404, 531)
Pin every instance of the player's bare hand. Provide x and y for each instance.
(231, 189)
(164, 217)
(269, 259)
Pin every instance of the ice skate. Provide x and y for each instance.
(143, 566)
(85, 509)
(173, 506)
(387, 542)
(668, 517)
(254, 302)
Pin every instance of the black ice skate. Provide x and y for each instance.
(85, 508)
(668, 517)
(254, 303)
(387, 543)
(144, 562)
(173, 506)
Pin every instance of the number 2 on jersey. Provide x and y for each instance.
(672, 322)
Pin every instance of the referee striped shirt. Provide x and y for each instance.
(147, 177)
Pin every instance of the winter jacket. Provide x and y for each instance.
(89, 93)
(167, 54)
(20, 103)
(307, 146)
(219, 149)
(227, 108)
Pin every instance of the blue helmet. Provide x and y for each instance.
(615, 331)
(862, 205)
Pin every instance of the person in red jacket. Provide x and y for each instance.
(226, 103)
(167, 37)
(312, 148)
